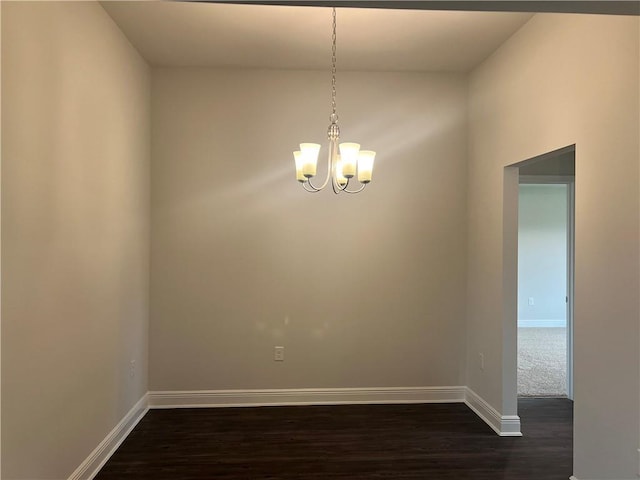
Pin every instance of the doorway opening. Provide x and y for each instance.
(545, 275)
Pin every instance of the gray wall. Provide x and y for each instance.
(583, 70)
(542, 255)
(75, 215)
(362, 291)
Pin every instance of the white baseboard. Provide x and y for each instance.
(96, 459)
(508, 425)
(559, 323)
(503, 425)
(573, 477)
(304, 396)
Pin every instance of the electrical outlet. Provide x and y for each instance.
(132, 368)
(278, 354)
(481, 361)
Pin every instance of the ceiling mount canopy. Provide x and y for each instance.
(343, 160)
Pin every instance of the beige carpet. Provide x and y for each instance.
(542, 362)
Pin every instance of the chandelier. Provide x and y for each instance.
(344, 160)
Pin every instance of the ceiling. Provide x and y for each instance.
(294, 37)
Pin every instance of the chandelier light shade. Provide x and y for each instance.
(345, 161)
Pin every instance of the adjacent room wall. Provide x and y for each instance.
(542, 255)
(363, 290)
(75, 215)
(560, 80)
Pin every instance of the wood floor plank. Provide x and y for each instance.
(357, 442)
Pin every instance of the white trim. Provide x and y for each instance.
(304, 396)
(503, 425)
(573, 477)
(90, 467)
(0, 250)
(543, 323)
(571, 257)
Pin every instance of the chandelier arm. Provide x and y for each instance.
(329, 170)
(330, 166)
(310, 190)
(337, 188)
(313, 187)
(355, 191)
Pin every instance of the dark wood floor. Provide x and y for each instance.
(356, 442)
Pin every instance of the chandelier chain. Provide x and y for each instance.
(334, 115)
(344, 159)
